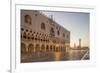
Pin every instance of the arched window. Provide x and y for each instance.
(58, 32)
(52, 33)
(51, 48)
(23, 48)
(35, 37)
(38, 38)
(43, 26)
(32, 37)
(30, 48)
(28, 19)
(63, 34)
(29, 36)
(24, 35)
(37, 48)
(47, 48)
(42, 48)
(67, 36)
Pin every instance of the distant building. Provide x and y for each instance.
(80, 43)
(41, 33)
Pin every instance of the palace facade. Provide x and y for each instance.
(40, 33)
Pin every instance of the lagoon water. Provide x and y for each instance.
(53, 56)
(70, 55)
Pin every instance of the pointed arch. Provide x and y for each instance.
(30, 48)
(23, 47)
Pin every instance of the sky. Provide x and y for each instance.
(76, 22)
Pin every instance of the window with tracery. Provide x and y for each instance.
(28, 19)
(43, 26)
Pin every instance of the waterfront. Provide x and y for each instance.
(55, 56)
